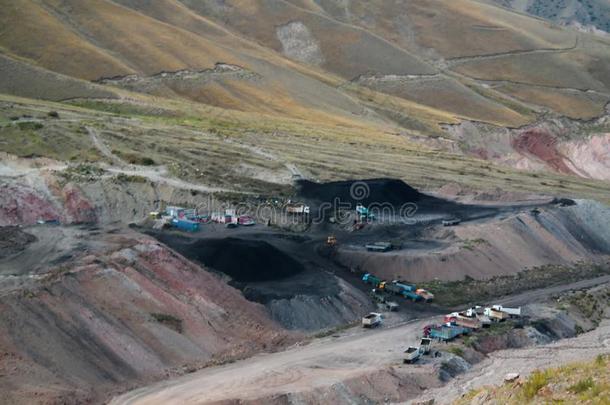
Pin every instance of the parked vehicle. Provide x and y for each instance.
(496, 315)
(372, 320)
(246, 220)
(425, 345)
(445, 333)
(426, 295)
(379, 247)
(411, 296)
(513, 312)
(371, 279)
(185, 225)
(363, 212)
(451, 221)
(297, 209)
(468, 322)
(412, 354)
(392, 306)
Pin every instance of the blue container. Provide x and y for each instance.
(185, 225)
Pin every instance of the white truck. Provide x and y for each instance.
(513, 312)
(372, 320)
(425, 346)
(412, 354)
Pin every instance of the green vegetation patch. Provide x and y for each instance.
(170, 321)
(470, 291)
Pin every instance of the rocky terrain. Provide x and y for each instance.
(427, 112)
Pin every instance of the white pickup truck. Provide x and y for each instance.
(412, 354)
(371, 320)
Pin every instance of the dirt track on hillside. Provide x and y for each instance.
(320, 367)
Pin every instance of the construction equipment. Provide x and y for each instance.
(372, 320)
(412, 354)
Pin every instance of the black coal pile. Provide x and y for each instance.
(380, 191)
(243, 260)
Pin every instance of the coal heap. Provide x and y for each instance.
(382, 191)
(245, 260)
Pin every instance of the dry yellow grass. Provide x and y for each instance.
(577, 383)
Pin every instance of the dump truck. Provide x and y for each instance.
(410, 295)
(495, 315)
(379, 247)
(407, 291)
(185, 225)
(426, 295)
(371, 279)
(468, 322)
(445, 333)
(412, 354)
(425, 345)
(513, 312)
(371, 320)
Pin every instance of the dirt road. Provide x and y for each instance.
(334, 360)
(322, 363)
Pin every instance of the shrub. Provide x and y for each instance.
(168, 320)
(537, 380)
(24, 126)
(582, 386)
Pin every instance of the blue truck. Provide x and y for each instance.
(445, 333)
(371, 279)
(405, 290)
(185, 225)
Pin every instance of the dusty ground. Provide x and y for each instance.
(492, 370)
(343, 367)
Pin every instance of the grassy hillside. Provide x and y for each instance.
(578, 383)
(250, 152)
